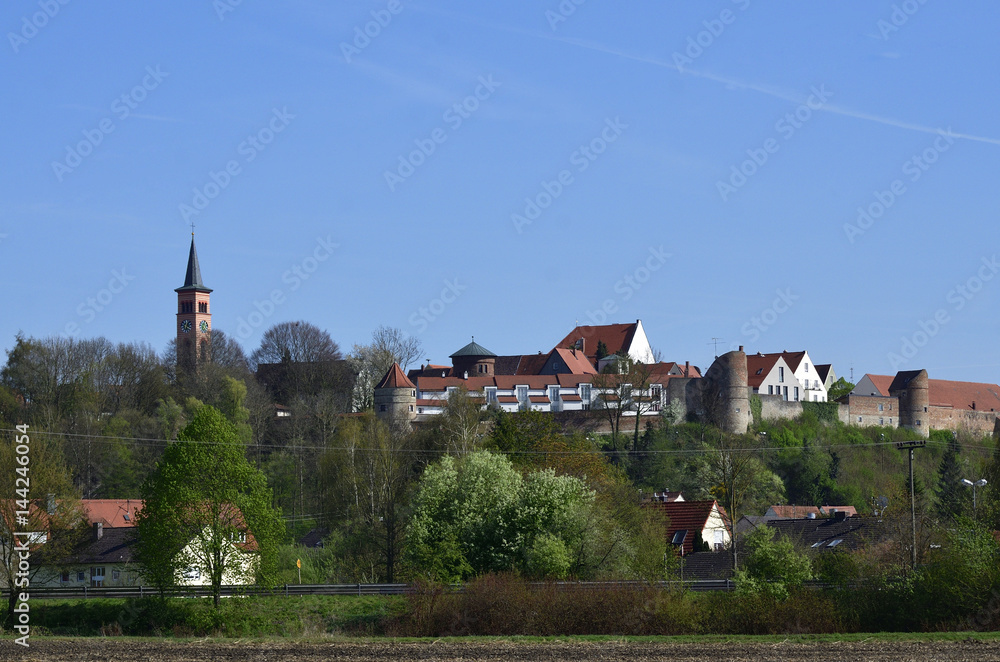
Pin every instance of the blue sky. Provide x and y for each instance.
(505, 170)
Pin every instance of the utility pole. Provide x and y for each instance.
(910, 446)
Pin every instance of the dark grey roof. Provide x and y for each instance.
(817, 534)
(707, 565)
(506, 365)
(115, 546)
(472, 349)
(192, 279)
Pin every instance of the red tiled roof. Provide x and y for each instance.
(686, 515)
(793, 359)
(507, 399)
(881, 382)
(571, 398)
(759, 366)
(962, 395)
(539, 399)
(111, 512)
(395, 378)
(430, 402)
(947, 393)
(615, 336)
(576, 362)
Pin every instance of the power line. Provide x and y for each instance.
(82, 438)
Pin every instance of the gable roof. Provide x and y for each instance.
(116, 513)
(691, 516)
(616, 336)
(880, 382)
(823, 371)
(395, 378)
(759, 366)
(793, 359)
(576, 362)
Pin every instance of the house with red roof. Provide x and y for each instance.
(690, 522)
(790, 375)
(629, 339)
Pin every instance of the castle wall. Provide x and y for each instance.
(774, 408)
(976, 422)
(864, 410)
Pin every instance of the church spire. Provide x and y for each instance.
(192, 279)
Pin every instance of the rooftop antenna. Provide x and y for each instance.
(715, 341)
(852, 372)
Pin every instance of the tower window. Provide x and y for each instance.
(202, 306)
(187, 306)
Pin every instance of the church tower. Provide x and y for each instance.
(194, 317)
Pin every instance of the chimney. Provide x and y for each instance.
(687, 368)
(98, 530)
(741, 348)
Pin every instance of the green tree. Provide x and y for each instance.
(204, 504)
(478, 514)
(771, 566)
(839, 389)
(950, 498)
(370, 469)
(57, 514)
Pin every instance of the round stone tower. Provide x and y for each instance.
(396, 396)
(725, 397)
(912, 387)
(473, 360)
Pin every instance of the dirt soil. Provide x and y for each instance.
(116, 650)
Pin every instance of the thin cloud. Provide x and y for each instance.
(733, 83)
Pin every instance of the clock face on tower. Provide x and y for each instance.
(186, 326)
(203, 326)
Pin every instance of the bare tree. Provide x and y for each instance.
(371, 362)
(297, 342)
(734, 469)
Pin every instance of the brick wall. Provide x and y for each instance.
(864, 410)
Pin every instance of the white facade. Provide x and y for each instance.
(813, 388)
(781, 381)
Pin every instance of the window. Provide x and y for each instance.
(554, 393)
(381, 407)
(770, 389)
(97, 576)
(116, 574)
(202, 306)
(522, 393)
(80, 576)
(65, 576)
(880, 407)
(807, 367)
(491, 395)
(585, 392)
(890, 420)
(836, 542)
(859, 419)
(781, 374)
(881, 422)
(796, 391)
(411, 407)
(784, 395)
(918, 421)
(925, 409)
